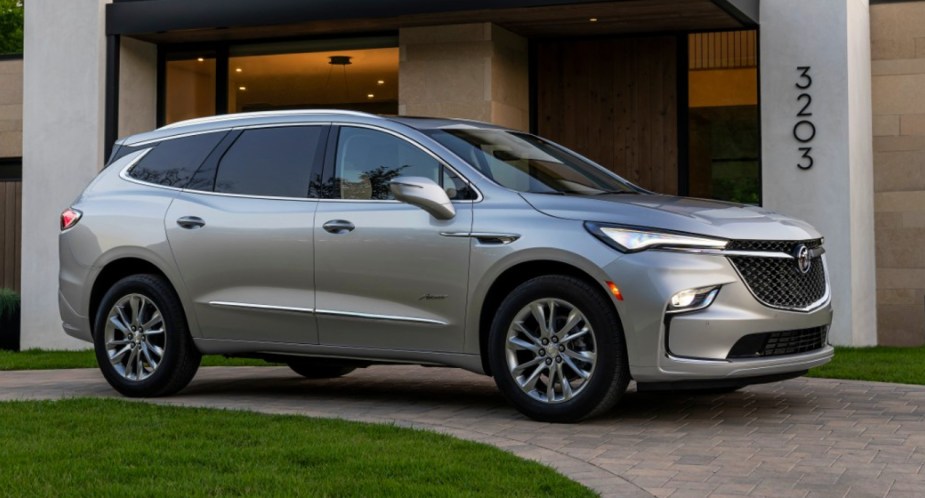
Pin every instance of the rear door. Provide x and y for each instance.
(241, 234)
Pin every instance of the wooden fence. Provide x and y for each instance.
(10, 233)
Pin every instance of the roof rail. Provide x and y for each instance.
(262, 114)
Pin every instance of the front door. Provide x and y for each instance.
(385, 276)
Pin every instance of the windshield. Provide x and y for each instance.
(526, 163)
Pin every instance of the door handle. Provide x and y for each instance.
(191, 222)
(338, 226)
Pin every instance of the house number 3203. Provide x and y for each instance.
(804, 131)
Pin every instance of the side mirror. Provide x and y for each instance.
(423, 193)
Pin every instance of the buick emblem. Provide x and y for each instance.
(804, 261)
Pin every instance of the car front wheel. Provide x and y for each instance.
(557, 351)
(141, 338)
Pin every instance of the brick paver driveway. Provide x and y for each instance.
(804, 437)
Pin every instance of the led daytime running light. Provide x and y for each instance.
(632, 240)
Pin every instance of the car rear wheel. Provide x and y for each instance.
(141, 338)
(557, 351)
(312, 369)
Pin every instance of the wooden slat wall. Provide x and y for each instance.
(614, 101)
(10, 233)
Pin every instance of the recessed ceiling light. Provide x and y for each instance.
(200, 59)
(238, 70)
(380, 82)
(593, 19)
(242, 88)
(370, 95)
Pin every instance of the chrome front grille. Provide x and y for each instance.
(778, 282)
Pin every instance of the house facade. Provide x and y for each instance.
(815, 109)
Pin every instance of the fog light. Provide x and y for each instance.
(692, 299)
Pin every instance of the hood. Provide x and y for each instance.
(698, 216)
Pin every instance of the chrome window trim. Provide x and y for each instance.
(414, 143)
(250, 196)
(123, 174)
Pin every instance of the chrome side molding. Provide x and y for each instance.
(310, 311)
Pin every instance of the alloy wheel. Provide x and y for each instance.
(550, 350)
(135, 337)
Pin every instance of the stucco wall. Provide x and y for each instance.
(62, 146)
(11, 108)
(835, 195)
(898, 67)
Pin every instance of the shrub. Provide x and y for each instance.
(9, 303)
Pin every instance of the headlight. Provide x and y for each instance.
(633, 239)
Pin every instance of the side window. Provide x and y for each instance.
(274, 162)
(173, 162)
(367, 160)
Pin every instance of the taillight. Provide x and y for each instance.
(69, 218)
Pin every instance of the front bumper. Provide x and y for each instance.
(695, 346)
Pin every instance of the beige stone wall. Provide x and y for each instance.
(898, 86)
(471, 71)
(11, 108)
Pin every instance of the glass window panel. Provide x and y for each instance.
(189, 88)
(173, 162)
(724, 135)
(270, 162)
(367, 160)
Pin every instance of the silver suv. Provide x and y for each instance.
(331, 240)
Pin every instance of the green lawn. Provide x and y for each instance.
(880, 364)
(35, 359)
(96, 447)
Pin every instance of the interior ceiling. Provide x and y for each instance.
(309, 78)
(620, 17)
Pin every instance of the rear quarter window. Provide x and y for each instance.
(173, 162)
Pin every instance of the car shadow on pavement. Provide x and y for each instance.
(448, 389)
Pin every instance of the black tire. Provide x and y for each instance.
(180, 359)
(316, 369)
(608, 377)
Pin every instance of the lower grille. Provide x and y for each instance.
(781, 343)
